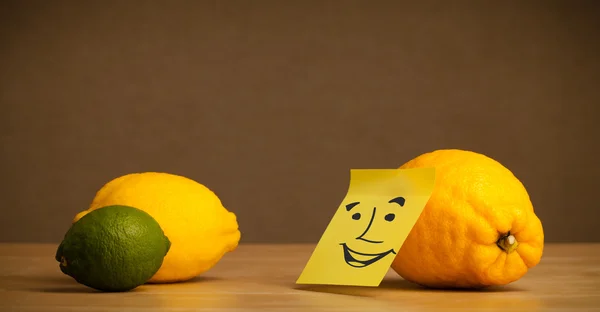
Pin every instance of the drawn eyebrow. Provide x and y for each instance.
(398, 200)
(351, 205)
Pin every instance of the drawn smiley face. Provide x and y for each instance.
(367, 219)
(369, 226)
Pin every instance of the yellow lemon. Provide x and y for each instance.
(478, 228)
(200, 229)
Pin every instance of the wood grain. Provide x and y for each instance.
(262, 278)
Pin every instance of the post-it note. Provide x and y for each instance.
(362, 239)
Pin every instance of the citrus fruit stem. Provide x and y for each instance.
(508, 243)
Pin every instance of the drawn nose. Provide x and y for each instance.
(362, 236)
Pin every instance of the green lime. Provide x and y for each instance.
(114, 248)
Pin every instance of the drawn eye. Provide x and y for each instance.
(390, 217)
(356, 216)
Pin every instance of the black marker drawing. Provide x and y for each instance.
(350, 255)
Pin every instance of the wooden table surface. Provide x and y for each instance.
(262, 278)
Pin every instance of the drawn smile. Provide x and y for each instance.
(360, 260)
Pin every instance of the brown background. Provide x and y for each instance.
(270, 103)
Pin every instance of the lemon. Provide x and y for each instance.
(478, 229)
(200, 228)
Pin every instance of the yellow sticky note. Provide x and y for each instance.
(369, 227)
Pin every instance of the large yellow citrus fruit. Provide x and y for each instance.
(478, 228)
(200, 229)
